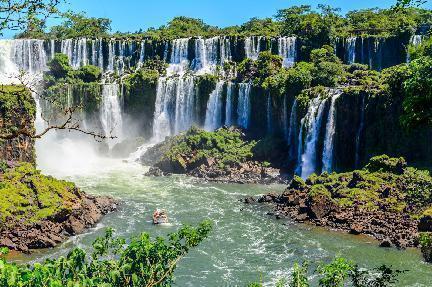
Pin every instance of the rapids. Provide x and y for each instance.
(245, 242)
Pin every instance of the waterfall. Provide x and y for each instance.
(66, 48)
(110, 111)
(292, 131)
(285, 117)
(330, 132)
(415, 41)
(360, 131)
(179, 57)
(244, 105)
(225, 50)
(287, 50)
(185, 103)
(213, 118)
(52, 47)
(312, 125)
(111, 55)
(206, 55)
(174, 107)
(269, 114)
(229, 103)
(350, 47)
(29, 55)
(252, 47)
(142, 53)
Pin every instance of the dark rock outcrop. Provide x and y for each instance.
(49, 232)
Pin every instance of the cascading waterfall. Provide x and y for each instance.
(351, 49)
(252, 47)
(225, 51)
(229, 104)
(359, 132)
(185, 103)
(213, 118)
(292, 131)
(244, 105)
(142, 53)
(179, 57)
(312, 125)
(269, 113)
(175, 101)
(111, 114)
(415, 41)
(206, 55)
(287, 50)
(285, 122)
(327, 158)
(111, 55)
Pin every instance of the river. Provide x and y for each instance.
(245, 243)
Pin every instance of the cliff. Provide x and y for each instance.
(17, 112)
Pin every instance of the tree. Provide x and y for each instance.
(143, 262)
(417, 103)
(26, 14)
(79, 25)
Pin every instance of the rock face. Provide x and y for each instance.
(17, 112)
(38, 211)
(391, 229)
(49, 232)
(247, 172)
(224, 156)
(379, 201)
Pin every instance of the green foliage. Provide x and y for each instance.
(227, 146)
(299, 276)
(339, 273)
(328, 69)
(387, 22)
(78, 25)
(260, 27)
(59, 66)
(17, 108)
(384, 163)
(28, 196)
(417, 88)
(142, 262)
(385, 183)
(335, 273)
(182, 27)
(88, 74)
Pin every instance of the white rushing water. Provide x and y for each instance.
(350, 47)
(253, 47)
(229, 104)
(269, 114)
(312, 125)
(360, 131)
(327, 158)
(213, 118)
(174, 107)
(111, 113)
(244, 105)
(287, 50)
(415, 41)
(292, 131)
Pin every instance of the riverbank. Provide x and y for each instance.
(40, 211)
(386, 200)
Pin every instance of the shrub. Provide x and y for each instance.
(59, 66)
(142, 262)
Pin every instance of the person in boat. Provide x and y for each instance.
(160, 216)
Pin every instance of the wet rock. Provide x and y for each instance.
(51, 231)
(386, 243)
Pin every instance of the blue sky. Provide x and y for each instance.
(131, 15)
